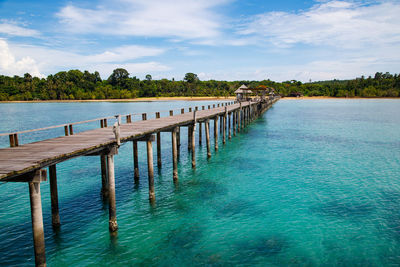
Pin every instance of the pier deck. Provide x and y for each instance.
(18, 160)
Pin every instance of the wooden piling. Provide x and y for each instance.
(216, 133)
(200, 134)
(221, 122)
(243, 118)
(112, 208)
(13, 140)
(158, 144)
(55, 214)
(207, 128)
(135, 161)
(174, 155)
(128, 118)
(37, 223)
(239, 118)
(190, 132)
(223, 127)
(194, 141)
(229, 126)
(178, 137)
(152, 196)
(178, 141)
(234, 122)
(112, 221)
(104, 180)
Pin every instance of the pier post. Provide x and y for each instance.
(194, 141)
(55, 214)
(190, 130)
(229, 125)
(223, 127)
(178, 141)
(158, 144)
(178, 137)
(216, 133)
(207, 128)
(234, 122)
(37, 219)
(244, 117)
(239, 118)
(152, 196)
(112, 209)
(250, 111)
(104, 180)
(200, 133)
(174, 154)
(135, 161)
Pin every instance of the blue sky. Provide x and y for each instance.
(216, 39)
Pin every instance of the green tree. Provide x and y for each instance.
(191, 77)
(118, 77)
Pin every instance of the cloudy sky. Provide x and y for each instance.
(217, 39)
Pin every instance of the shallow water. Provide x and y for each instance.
(311, 182)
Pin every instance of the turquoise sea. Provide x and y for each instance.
(309, 183)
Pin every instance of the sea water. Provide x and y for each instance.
(309, 183)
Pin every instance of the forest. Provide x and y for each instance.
(78, 85)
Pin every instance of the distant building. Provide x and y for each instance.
(240, 92)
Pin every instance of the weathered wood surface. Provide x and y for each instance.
(15, 161)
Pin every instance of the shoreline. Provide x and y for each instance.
(332, 97)
(142, 99)
(185, 98)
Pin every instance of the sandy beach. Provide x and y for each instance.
(331, 97)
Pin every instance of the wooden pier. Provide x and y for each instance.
(29, 162)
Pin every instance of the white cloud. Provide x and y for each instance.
(125, 53)
(53, 60)
(13, 29)
(344, 24)
(182, 19)
(135, 69)
(10, 66)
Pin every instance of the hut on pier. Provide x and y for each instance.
(242, 93)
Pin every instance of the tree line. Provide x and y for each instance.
(78, 85)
